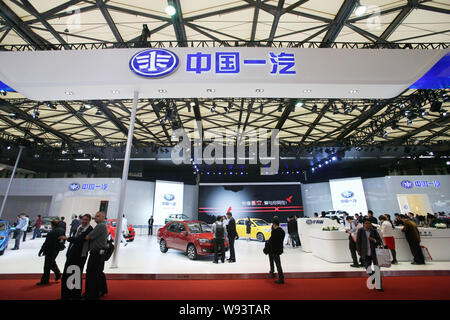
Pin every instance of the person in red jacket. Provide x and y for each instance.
(37, 227)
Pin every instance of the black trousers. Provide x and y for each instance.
(273, 257)
(150, 230)
(50, 265)
(416, 251)
(95, 277)
(219, 245)
(74, 294)
(24, 236)
(231, 240)
(352, 247)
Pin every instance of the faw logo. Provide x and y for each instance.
(169, 197)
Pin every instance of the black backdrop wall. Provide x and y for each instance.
(262, 201)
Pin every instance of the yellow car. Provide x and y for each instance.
(260, 229)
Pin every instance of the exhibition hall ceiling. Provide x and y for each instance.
(408, 119)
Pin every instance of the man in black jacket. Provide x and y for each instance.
(50, 249)
(150, 226)
(76, 257)
(275, 245)
(367, 240)
(232, 234)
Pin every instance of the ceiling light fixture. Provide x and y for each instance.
(162, 90)
(170, 10)
(360, 9)
(307, 91)
(210, 90)
(69, 93)
(259, 90)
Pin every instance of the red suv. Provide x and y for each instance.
(193, 237)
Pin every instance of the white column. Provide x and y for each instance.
(11, 180)
(123, 187)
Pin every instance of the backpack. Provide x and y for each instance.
(109, 248)
(220, 231)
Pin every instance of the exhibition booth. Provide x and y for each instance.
(324, 241)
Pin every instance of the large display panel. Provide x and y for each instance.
(263, 201)
(348, 195)
(168, 200)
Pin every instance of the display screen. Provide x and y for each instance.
(262, 201)
(348, 195)
(2, 226)
(168, 200)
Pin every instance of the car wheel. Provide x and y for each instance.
(260, 237)
(191, 252)
(2, 252)
(163, 246)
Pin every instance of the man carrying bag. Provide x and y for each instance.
(367, 240)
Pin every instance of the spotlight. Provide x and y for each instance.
(360, 9)
(242, 173)
(314, 108)
(334, 158)
(87, 106)
(385, 134)
(312, 169)
(99, 112)
(320, 166)
(36, 156)
(170, 10)
(410, 122)
(213, 108)
(299, 103)
(80, 150)
(108, 165)
(444, 114)
(326, 162)
(3, 92)
(35, 114)
(8, 148)
(12, 116)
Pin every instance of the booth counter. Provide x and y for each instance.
(332, 246)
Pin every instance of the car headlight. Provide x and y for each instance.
(204, 241)
(266, 230)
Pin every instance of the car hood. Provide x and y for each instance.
(205, 235)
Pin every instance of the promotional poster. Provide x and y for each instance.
(261, 201)
(168, 200)
(348, 195)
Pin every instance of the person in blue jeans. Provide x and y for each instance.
(37, 228)
(18, 231)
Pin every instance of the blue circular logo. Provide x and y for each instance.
(169, 196)
(309, 221)
(153, 63)
(407, 184)
(347, 194)
(74, 186)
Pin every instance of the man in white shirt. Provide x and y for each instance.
(25, 227)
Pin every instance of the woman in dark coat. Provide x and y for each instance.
(248, 224)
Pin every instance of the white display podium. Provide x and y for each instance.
(332, 246)
(308, 225)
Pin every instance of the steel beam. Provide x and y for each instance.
(339, 21)
(412, 4)
(316, 121)
(29, 7)
(178, 24)
(109, 20)
(117, 123)
(276, 20)
(255, 21)
(13, 20)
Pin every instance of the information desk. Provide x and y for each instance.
(332, 246)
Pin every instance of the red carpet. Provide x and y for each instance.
(396, 288)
